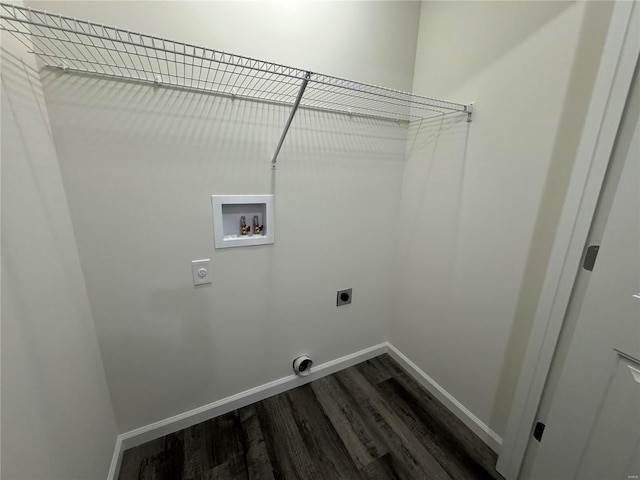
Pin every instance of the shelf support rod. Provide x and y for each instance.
(296, 104)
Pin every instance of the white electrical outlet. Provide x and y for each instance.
(201, 270)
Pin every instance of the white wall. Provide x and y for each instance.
(57, 419)
(482, 199)
(139, 165)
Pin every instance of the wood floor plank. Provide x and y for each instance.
(388, 364)
(342, 425)
(400, 440)
(375, 370)
(381, 469)
(228, 447)
(446, 420)
(258, 463)
(198, 450)
(164, 465)
(289, 456)
(133, 457)
(359, 434)
(323, 443)
(442, 445)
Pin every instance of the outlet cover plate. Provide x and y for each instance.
(343, 297)
(201, 271)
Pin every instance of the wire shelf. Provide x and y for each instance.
(83, 46)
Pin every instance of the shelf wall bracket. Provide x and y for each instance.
(469, 109)
(303, 86)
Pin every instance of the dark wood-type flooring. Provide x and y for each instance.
(371, 421)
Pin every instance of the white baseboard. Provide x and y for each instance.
(116, 461)
(226, 405)
(192, 417)
(491, 438)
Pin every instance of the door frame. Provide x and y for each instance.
(604, 114)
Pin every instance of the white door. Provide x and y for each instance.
(592, 414)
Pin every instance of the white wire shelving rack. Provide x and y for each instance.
(76, 45)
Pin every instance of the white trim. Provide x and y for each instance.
(601, 125)
(228, 404)
(476, 425)
(116, 460)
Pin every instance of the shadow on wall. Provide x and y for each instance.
(129, 108)
(22, 85)
(427, 131)
(23, 93)
(436, 165)
(54, 394)
(323, 135)
(163, 115)
(23, 167)
(433, 199)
